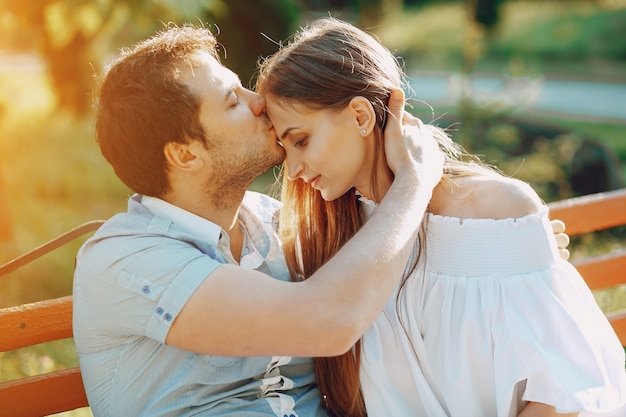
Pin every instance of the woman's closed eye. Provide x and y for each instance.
(234, 97)
(300, 141)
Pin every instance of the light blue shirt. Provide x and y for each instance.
(132, 279)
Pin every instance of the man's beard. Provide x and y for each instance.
(232, 175)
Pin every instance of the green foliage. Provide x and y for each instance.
(250, 30)
(74, 35)
(575, 33)
(558, 37)
(427, 37)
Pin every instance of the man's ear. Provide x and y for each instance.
(183, 156)
(365, 116)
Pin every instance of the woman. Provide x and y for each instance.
(489, 320)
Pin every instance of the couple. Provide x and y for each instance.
(183, 305)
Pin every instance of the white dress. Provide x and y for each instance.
(491, 318)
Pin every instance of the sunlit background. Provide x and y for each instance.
(537, 87)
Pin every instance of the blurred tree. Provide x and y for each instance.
(73, 35)
(481, 17)
(364, 13)
(487, 13)
(250, 30)
(64, 33)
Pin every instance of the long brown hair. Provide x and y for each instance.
(324, 67)
(319, 68)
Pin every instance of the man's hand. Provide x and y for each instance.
(407, 144)
(562, 239)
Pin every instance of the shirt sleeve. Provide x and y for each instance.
(139, 293)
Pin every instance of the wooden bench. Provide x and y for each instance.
(34, 323)
(592, 213)
(49, 320)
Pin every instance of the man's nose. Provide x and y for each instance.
(257, 103)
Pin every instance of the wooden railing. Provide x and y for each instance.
(50, 320)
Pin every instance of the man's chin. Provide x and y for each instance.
(273, 162)
(280, 155)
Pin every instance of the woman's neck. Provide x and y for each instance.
(378, 187)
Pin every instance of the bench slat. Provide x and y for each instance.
(43, 395)
(618, 322)
(591, 212)
(34, 323)
(603, 271)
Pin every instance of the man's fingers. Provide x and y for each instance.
(558, 226)
(409, 119)
(396, 108)
(562, 240)
(396, 102)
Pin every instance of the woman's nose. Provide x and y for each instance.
(293, 167)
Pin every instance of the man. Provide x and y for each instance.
(183, 303)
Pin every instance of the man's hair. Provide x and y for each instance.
(143, 105)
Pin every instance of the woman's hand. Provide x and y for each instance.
(409, 146)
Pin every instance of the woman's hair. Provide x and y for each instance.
(143, 105)
(324, 67)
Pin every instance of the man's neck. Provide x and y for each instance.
(221, 210)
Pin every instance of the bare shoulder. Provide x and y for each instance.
(500, 197)
(487, 197)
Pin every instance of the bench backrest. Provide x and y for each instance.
(49, 320)
(35, 323)
(593, 213)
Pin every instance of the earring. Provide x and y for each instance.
(363, 132)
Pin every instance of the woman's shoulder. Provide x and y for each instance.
(486, 197)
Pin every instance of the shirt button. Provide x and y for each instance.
(159, 310)
(145, 289)
(167, 317)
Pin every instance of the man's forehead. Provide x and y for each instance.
(208, 72)
(218, 71)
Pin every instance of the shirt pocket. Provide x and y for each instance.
(216, 370)
(140, 286)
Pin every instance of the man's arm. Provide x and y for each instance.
(542, 410)
(238, 312)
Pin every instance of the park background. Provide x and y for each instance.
(490, 60)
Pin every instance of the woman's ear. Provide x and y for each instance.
(182, 155)
(365, 116)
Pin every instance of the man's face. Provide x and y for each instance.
(242, 142)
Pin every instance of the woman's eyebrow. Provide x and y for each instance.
(287, 131)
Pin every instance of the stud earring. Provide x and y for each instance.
(363, 132)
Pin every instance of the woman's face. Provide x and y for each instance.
(323, 148)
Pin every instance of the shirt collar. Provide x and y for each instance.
(366, 207)
(188, 222)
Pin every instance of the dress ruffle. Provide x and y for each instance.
(493, 317)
